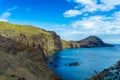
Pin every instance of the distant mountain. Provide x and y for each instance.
(93, 41)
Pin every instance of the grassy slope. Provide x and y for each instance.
(28, 29)
(47, 39)
(28, 63)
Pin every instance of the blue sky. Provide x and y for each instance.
(71, 19)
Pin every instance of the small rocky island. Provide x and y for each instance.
(72, 64)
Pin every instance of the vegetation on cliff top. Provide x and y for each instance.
(27, 29)
(23, 50)
(31, 36)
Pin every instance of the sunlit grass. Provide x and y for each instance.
(27, 29)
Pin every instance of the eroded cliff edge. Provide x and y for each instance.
(23, 50)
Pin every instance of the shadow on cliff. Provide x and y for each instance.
(19, 61)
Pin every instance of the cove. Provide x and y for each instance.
(89, 59)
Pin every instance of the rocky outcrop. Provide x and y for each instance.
(93, 41)
(70, 44)
(73, 64)
(112, 73)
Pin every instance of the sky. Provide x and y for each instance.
(71, 19)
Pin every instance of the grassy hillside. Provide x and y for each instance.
(27, 29)
(23, 50)
(31, 36)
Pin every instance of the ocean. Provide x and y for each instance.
(90, 60)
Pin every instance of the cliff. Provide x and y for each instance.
(70, 44)
(23, 50)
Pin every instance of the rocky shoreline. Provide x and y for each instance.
(112, 73)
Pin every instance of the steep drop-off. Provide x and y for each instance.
(70, 44)
(23, 50)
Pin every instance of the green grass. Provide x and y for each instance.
(27, 29)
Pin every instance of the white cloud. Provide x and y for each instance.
(108, 4)
(13, 8)
(94, 25)
(72, 13)
(4, 16)
(91, 6)
(5, 20)
(88, 23)
(99, 24)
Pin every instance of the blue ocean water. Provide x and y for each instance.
(90, 60)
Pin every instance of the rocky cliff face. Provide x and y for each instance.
(23, 50)
(112, 73)
(70, 44)
(30, 36)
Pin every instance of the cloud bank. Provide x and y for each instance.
(91, 6)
